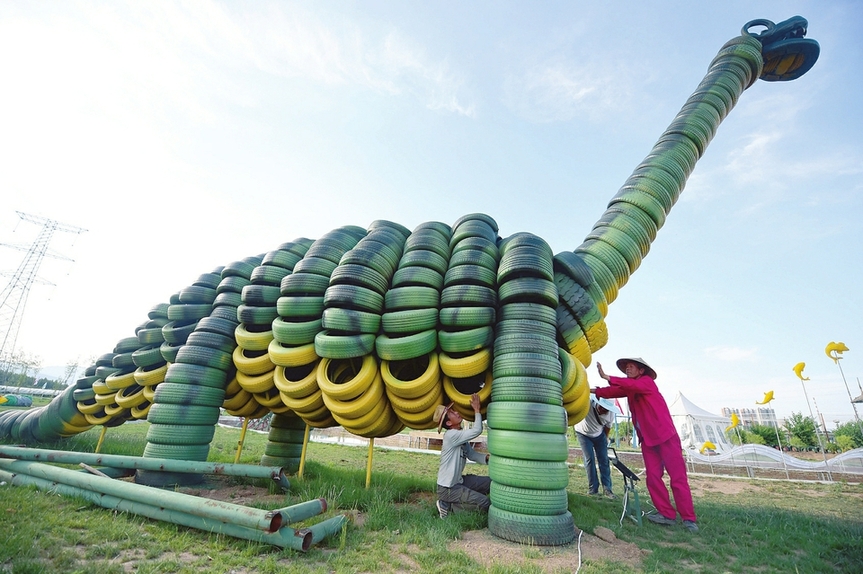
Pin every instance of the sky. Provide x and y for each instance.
(186, 135)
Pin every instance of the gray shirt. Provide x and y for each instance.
(594, 423)
(456, 450)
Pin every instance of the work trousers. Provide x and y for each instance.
(668, 457)
(595, 451)
(471, 494)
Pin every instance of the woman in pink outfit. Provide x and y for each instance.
(660, 445)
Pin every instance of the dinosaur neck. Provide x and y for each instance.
(621, 238)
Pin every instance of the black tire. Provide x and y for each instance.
(528, 473)
(261, 295)
(467, 317)
(307, 284)
(360, 275)
(409, 321)
(527, 389)
(350, 321)
(527, 365)
(183, 414)
(529, 529)
(417, 276)
(177, 451)
(528, 445)
(534, 417)
(468, 296)
(529, 500)
(182, 394)
(205, 356)
(190, 374)
(180, 434)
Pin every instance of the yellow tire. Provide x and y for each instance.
(88, 409)
(419, 404)
(291, 356)
(233, 387)
(366, 420)
(117, 382)
(393, 371)
(578, 408)
(462, 400)
(260, 383)
(568, 370)
(113, 410)
(308, 404)
(140, 412)
(421, 420)
(247, 410)
(237, 401)
(106, 400)
(252, 365)
(150, 378)
(359, 406)
(468, 366)
(364, 376)
(296, 389)
(252, 341)
(270, 399)
(379, 428)
(133, 400)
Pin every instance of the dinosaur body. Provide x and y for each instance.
(372, 328)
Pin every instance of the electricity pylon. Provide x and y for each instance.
(14, 296)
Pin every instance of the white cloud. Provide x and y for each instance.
(558, 90)
(731, 354)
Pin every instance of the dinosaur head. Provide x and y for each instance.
(787, 53)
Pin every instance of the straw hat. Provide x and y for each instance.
(440, 415)
(621, 364)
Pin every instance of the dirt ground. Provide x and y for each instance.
(599, 545)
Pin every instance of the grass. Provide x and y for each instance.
(746, 526)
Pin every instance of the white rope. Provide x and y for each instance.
(580, 534)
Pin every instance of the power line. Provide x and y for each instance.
(13, 298)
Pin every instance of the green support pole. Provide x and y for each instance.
(141, 463)
(265, 520)
(295, 539)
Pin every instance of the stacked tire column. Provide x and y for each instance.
(349, 375)
(236, 276)
(468, 312)
(300, 309)
(527, 422)
(186, 405)
(408, 345)
(256, 314)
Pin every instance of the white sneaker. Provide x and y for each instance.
(442, 509)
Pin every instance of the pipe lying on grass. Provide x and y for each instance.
(156, 464)
(295, 539)
(303, 510)
(254, 518)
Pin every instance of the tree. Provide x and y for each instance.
(802, 428)
(70, 371)
(851, 432)
(767, 434)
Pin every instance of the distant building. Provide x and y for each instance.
(757, 416)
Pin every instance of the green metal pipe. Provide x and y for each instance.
(254, 518)
(300, 540)
(157, 464)
(326, 528)
(303, 510)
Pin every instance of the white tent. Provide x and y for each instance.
(695, 426)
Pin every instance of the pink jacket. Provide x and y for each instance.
(650, 415)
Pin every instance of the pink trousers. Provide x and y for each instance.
(668, 457)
